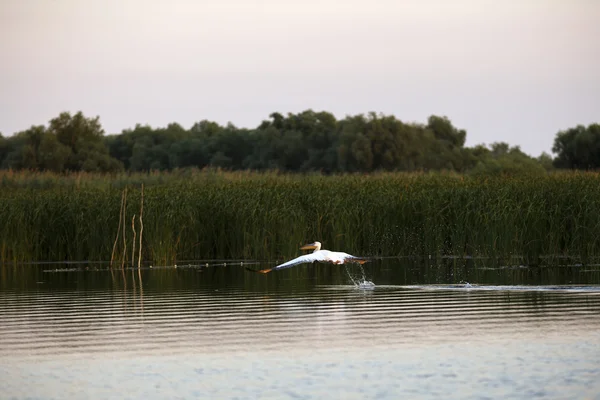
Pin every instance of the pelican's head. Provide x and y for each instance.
(316, 246)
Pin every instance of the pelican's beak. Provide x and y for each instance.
(311, 246)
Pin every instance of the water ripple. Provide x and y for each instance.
(59, 323)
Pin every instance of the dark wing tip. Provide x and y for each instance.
(358, 260)
(262, 271)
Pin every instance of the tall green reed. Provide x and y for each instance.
(192, 215)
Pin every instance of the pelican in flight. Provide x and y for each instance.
(333, 257)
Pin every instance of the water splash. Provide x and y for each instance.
(360, 282)
(366, 285)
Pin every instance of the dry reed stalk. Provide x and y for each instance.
(124, 239)
(112, 256)
(141, 229)
(133, 241)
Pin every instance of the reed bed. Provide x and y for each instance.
(191, 215)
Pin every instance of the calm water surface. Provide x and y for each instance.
(303, 333)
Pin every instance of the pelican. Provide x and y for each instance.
(333, 257)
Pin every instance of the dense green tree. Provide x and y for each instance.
(52, 155)
(145, 148)
(3, 148)
(189, 152)
(36, 148)
(120, 147)
(449, 145)
(318, 134)
(229, 147)
(266, 154)
(26, 152)
(69, 143)
(578, 147)
(444, 131)
(500, 158)
(354, 149)
(545, 161)
(301, 142)
(83, 136)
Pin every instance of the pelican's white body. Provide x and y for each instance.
(334, 257)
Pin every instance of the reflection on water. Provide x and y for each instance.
(231, 273)
(306, 332)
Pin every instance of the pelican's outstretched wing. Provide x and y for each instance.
(357, 260)
(319, 255)
(307, 258)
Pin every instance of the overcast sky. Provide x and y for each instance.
(515, 70)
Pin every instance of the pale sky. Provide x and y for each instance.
(515, 70)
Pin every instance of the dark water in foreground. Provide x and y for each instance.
(306, 333)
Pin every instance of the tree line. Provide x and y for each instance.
(302, 142)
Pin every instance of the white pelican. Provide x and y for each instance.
(334, 257)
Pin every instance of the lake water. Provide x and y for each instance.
(222, 332)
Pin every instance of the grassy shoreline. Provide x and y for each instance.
(192, 214)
